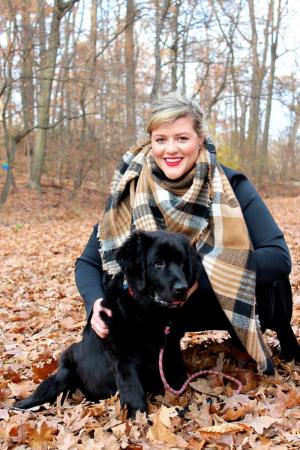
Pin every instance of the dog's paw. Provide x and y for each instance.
(132, 407)
(131, 411)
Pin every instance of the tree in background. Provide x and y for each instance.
(17, 122)
(48, 54)
(76, 82)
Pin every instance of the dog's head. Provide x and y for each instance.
(160, 265)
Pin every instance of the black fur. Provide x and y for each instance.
(160, 267)
(275, 308)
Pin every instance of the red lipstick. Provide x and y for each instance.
(173, 161)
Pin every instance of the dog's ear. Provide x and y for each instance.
(131, 258)
(193, 265)
(106, 278)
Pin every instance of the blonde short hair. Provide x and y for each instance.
(172, 106)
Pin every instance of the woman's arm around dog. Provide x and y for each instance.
(88, 276)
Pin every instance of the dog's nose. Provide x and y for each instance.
(180, 290)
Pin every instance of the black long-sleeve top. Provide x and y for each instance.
(273, 259)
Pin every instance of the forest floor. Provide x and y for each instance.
(41, 313)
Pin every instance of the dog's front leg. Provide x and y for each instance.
(132, 394)
(173, 365)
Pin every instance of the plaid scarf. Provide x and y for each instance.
(202, 205)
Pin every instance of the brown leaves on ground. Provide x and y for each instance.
(41, 314)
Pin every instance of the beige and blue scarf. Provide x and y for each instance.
(202, 205)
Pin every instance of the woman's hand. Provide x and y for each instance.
(97, 323)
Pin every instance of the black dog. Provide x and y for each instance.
(159, 267)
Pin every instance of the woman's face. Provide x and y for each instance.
(175, 147)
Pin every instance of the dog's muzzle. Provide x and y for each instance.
(173, 303)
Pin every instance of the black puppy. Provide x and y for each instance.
(160, 268)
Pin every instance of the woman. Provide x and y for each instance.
(174, 182)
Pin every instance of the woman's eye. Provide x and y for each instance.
(160, 140)
(183, 138)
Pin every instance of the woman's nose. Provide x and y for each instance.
(171, 146)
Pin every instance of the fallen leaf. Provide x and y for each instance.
(105, 440)
(46, 366)
(4, 414)
(21, 390)
(194, 444)
(66, 440)
(40, 439)
(259, 424)
(161, 429)
(224, 428)
(288, 400)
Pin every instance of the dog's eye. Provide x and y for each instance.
(159, 263)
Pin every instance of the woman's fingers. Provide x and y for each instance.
(106, 310)
(98, 325)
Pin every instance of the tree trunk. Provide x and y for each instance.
(9, 181)
(174, 48)
(289, 163)
(274, 45)
(27, 86)
(258, 74)
(47, 75)
(254, 110)
(161, 14)
(130, 75)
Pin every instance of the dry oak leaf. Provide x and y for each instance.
(105, 440)
(21, 390)
(235, 413)
(12, 432)
(201, 416)
(161, 428)
(134, 447)
(12, 375)
(260, 423)
(194, 444)
(75, 419)
(70, 324)
(289, 400)
(44, 369)
(224, 428)
(4, 414)
(40, 440)
(97, 410)
(66, 440)
(236, 407)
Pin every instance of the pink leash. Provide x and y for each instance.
(191, 377)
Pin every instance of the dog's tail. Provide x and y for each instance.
(48, 390)
(63, 381)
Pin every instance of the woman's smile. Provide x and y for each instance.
(175, 147)
(173, 161)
